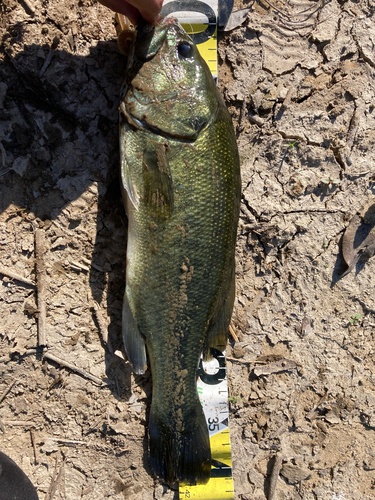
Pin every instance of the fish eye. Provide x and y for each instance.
(185, 49)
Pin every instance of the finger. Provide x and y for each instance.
(149, 10)
(122, 7)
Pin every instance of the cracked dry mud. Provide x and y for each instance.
(298, 79)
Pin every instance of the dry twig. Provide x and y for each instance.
(8, 390)
(274, 476)
(74, 443)
(281, 365)
(67, 442)
(91, 264)
(241, 121)
(233, 333)
(32, 435)
(96, 423)
(48, 60)
(19, 423)
(78, 266)
(235, 360)
(30, 351)
(41, 285)
(8, 272)
(55, 481)
(28, 6)
(103, 327)
(62, 362)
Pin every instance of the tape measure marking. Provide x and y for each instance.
(213, 394)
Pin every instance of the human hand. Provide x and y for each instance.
(149, 9)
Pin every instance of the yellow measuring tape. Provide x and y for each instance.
(199, 18)
(217, 488)
(207, 49)
(213, 393)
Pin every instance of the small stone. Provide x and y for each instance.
(294, 474)
(238, 351)
(332, 418)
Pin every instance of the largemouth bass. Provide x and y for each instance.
(181, 180)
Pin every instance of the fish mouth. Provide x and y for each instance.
(167, 95)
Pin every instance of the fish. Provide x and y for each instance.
(180, 176)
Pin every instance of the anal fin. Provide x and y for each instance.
(133, 341)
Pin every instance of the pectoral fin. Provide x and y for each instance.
(157, 179)
(218, 328)
(133, 341)
(126, 178)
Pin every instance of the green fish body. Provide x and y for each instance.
(181, 178)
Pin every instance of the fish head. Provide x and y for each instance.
(170, 90)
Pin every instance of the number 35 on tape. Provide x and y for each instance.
(213, 393)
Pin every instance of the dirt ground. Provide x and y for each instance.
(298, 79)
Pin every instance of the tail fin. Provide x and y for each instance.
(180, 456)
